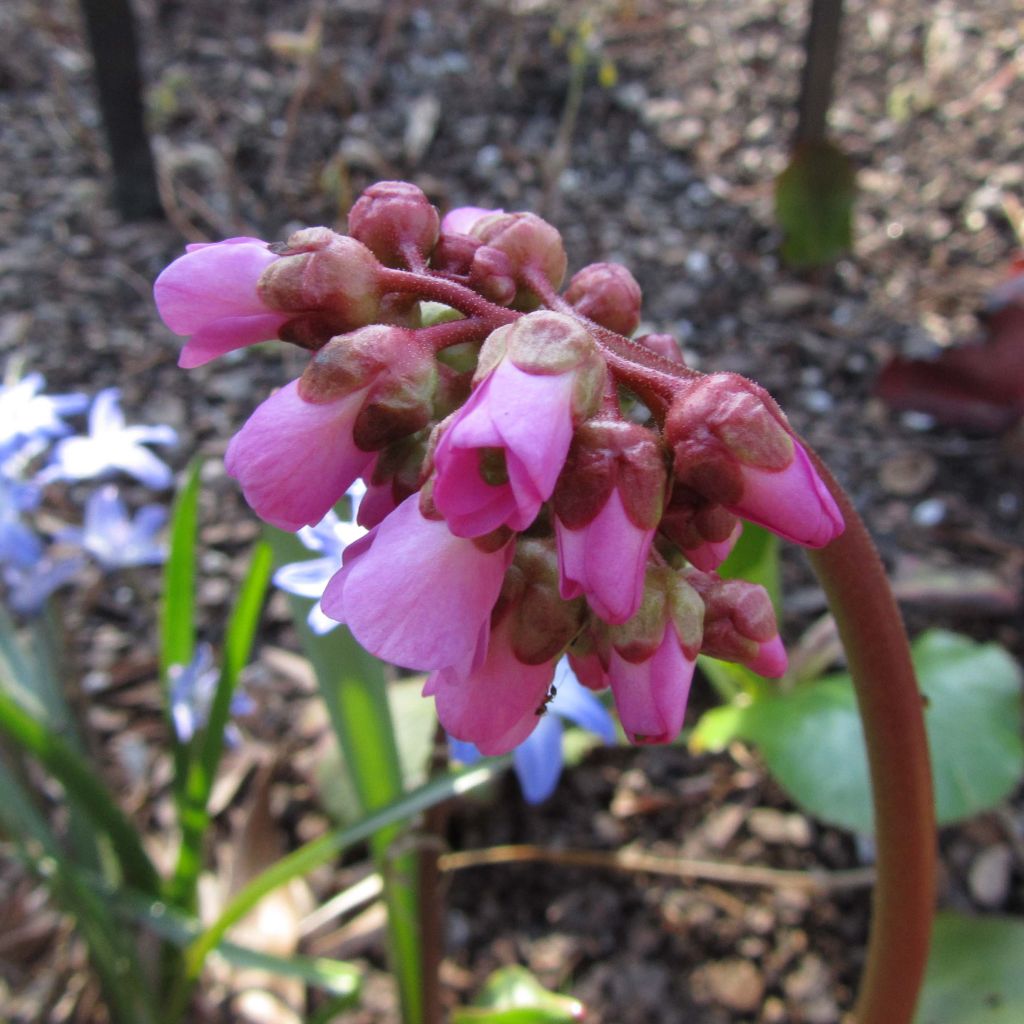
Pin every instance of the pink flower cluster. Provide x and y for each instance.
(538, 483)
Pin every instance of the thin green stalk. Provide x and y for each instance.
(85, 789)
(354, 687)
(892, 711)
(319, 851)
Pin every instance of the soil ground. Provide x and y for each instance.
(669, 171)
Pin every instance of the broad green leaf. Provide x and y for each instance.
(812, 741)
(512, 995)
(974, 972)
(814, 198)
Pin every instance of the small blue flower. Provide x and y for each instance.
(19, 544)
(25, 414)
(191, 695)
(111, 446)
(309, 578)
(538, 759)
(29, 588)
(113, 538)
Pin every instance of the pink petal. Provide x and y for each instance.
(794, 502)
(771, 661)
(294, 459)
(460, 221)
(495, 706)
(711, 554)
(651, 695)
(418, 596)
(226, 334)
(212, 282)
(605, 560)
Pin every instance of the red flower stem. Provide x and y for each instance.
(891, 709)
(453, 332)
(438, 289)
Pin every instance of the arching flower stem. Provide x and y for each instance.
(439, 289)
(891, 709)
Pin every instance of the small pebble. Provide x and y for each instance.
(989, 877)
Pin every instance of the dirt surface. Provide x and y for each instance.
(670, 171)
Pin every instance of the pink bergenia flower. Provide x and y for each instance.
(651, 694)
(496, 705)
(210, 293)
(294, 459)
(417, 596)
(733, 447)
(709, 555)
(605, 561)
(608, 502)
(793, 502)
(500, 455)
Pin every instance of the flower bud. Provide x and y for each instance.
(665, 345)
(325, 272)
(549, 344)
(392, 215)
(739, 623)
(527, 241)
(608, 294)
(400, 374)
(490, 274)
(703, 531)
(542, 623)
(733, 447)
(395, 476)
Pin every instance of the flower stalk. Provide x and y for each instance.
(892, 712)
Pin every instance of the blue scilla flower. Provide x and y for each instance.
(19, 544)
(111, 446)
(329, 537)
(538, 759)
(26, 415)
(192, 688)
(113, 537)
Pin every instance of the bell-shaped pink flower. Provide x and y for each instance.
(524, 417)
(210, 293)
(651, 695)
(294, 459)
(793, 502)
(417, 596)
(499, 703)
(605, 560)
(709, 555)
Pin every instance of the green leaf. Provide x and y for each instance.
(974, 972)
(111, 949)
(84, 788)
(201, 769)
(814, 199)
(177, 612)
(332, 976)
(812, 741)
(512, 995)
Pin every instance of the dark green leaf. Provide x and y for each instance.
(812, 741)
(974, 972)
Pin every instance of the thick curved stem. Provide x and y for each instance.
(892, 712)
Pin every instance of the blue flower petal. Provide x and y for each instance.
(538, 760)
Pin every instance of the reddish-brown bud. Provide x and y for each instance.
(527, 241)
(392, 215)
(738, 617)
(608, 294)
(491, 274)
(324, 272)
(543, 624)
(398, 373)
(665, 345)
(605, 454)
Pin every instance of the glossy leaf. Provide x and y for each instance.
(974, 972)
(812, 741)
(512, 995)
